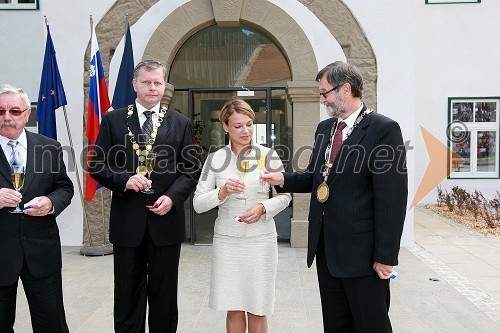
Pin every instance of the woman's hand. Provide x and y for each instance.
(253, 214)
(231, 186)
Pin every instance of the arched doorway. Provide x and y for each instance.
(215, 64)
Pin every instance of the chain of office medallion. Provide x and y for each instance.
(149, 145)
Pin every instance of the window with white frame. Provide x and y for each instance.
(18, 4)
(473, 137)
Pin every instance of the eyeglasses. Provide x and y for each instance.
(14, 112)
(327, 92)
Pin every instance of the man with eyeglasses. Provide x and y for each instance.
(29, 241)
(358, 204)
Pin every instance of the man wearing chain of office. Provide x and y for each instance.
(358, 182)
(140, 155)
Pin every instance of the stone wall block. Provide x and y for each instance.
(199, 12)
(298, 233)
(227, 13)
(303, 140)
(301, 206)
(176, 25)
(304, 67)
(97, 220)
(278, 23)
(159, 47)
(307, 113)
(255, 11)
(295, 42)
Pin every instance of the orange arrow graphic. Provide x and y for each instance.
(437, 170)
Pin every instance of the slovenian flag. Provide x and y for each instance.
(98, 103)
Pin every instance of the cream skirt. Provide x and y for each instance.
(244, 273)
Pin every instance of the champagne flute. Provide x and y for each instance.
(265, 187)
(17, 178)
(243, 167)
(150, 164)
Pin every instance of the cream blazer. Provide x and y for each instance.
(222, 165)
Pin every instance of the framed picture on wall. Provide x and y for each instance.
(451, 1)
(19, 4)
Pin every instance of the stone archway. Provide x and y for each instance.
(302, 91)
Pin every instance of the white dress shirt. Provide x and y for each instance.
(22, 147)
(142, 117)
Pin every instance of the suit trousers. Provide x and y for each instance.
(357, 304)
(45, 301)
(146, 273)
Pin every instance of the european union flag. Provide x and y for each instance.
(124, 91)
(51, 95)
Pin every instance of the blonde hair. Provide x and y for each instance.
(235, 105)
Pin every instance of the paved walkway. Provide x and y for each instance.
(448, 282)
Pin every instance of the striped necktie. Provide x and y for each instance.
(15, 156)
(147, 127)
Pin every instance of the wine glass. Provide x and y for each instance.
(243, 168)
(265, 187)
(150, 164)
(17, 177)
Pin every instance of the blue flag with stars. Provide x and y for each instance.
(51, 95)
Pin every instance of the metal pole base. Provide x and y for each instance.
(100, 250)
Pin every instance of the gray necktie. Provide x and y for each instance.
(15, 156)
(147, 127)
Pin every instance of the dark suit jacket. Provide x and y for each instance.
(364, 215)
(36, 239)
(175, 174)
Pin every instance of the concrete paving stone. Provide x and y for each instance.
(480, 268)
(312, 300)
(287, 264)
(466, 241)
(288, 280)
(210, 321)
(190, 317)
(289, 322)
(289, 300)
(309, 280)
(315, 321)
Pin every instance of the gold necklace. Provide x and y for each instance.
(151, 140)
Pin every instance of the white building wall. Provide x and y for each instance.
(390, 29)
(457, 56)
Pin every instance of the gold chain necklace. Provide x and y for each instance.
(151, 140)
(323, 191)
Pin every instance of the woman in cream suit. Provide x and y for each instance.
(245, 250)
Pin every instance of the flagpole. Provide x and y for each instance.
(68, 130)
(103, 249)
(82, 199)
(103, 219)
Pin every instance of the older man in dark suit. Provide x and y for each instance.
(29, 241)
(146, 229)
(358, 180)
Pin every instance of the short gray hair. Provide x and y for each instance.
(8, 89)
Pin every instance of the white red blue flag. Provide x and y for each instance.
(98, 103)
